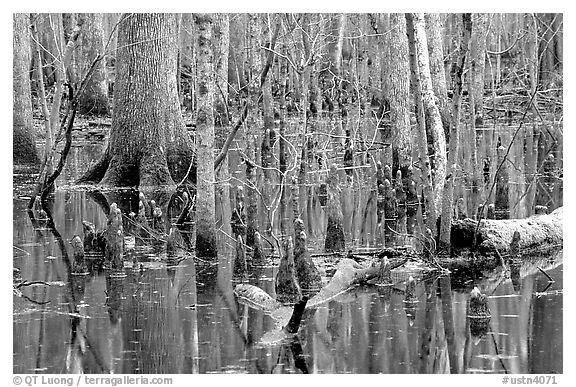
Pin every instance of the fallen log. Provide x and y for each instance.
(537, 233)
(349, 273)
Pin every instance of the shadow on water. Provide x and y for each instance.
(174, 313)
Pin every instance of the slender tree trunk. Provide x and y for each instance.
(222, 47)
(531, 53)
(340, 43)
(432, 114)
(268, 107)
(205, 181)
(478, 64)
(60, 71)
(252, 125)
(42, 100)
(148, 143)
(437, 69)
(223, 173)
(399, 95)
(448, 198)
(23, 136)
(94, 100)
(426, 176)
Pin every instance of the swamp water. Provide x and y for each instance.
(181, 317)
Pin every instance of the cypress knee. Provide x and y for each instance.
(410, 300)
(114, 239)
(79, 266)
(287, 288)
(308, 275)
(334, 229)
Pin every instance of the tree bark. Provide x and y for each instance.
(432, 114)
(437, 69)
(222, 46)
(23, 136)
(426, 175)
(478, 64)
(148, 143)
(205, 205)
(448, 198)
(399, 95)
(222, 32)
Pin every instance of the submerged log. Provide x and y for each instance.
(348, 274)
(536, 233)
(287, 288)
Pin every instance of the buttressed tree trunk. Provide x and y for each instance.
(400, 94)
(94, 100)
(24, 145)
(205, 205)
(148, 143)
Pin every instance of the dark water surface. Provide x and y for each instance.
(184, 317)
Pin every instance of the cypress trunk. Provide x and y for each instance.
(399, 95)
(431, 112)
(205, 204)
(24, 138)
(148, 143)
(437, 70)
(448, 198)
(422, 142)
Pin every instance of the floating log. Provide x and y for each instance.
(334, 229)
(287, 288)
(536, 233)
